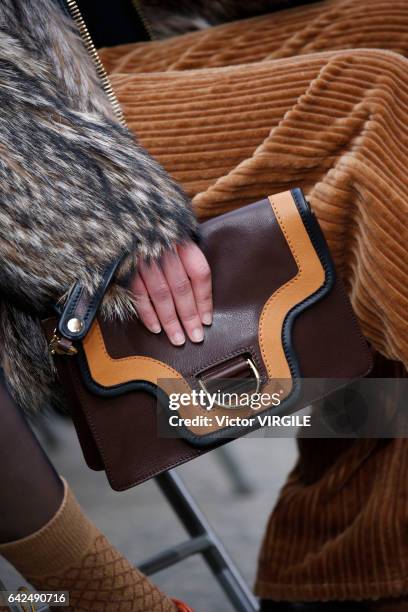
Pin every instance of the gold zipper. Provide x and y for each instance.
(90, 47)
(139, 10)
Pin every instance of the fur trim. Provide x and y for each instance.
(76, 189)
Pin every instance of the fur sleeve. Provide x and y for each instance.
(76, 189)
(76, 192)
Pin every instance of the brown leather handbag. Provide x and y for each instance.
(281, 317)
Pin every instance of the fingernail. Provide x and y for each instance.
(178, 339)
(155, 328)
(197, 335)
(207, 318)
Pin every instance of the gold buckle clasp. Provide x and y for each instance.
(257, 379)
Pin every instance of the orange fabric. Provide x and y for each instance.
(181, 606)
(305, 97)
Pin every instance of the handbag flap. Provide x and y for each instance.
(280, 314)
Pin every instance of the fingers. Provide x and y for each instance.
(145, 310)
(162, 300)
(176, 294)
(182, 292)
(198, 270)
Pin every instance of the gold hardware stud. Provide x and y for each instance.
(61, 346)
(75, 325)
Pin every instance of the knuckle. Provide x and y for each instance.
(160, 293)
(204, 301)
(202, 272)
(143, 304)
(182, 287)
(190, 318)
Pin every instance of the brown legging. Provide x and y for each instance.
(31, 490)
(316, 96)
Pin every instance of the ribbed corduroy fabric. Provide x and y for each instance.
(321, 26)
(304, 97)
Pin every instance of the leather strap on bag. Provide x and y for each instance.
(79, 312)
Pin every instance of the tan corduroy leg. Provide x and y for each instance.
(71, 554)
(321, 26)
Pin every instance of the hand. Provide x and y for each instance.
(175, 294)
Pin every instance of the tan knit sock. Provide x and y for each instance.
(70, 554)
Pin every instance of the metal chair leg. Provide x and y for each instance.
(204, 541)
(241, 482)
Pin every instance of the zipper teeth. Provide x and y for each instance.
(90, 47)
(139, 10)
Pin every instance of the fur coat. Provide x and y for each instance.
(76, 190)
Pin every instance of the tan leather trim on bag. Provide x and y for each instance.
(107, 371)
(310, 278)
